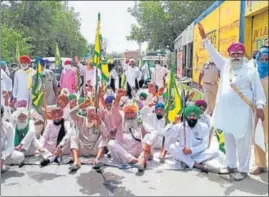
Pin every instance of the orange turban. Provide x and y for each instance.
(130, 109)
(24, 59)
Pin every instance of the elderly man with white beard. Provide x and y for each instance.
(9, 156)
(131, 144)
(92, 134)
(239, 96)
(192, 148)
(25, 136)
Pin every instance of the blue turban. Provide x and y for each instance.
(262, 66)
(109, 99)
(3, 63)
(159, 105)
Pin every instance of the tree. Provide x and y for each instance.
(46, 23)
(160, 22)
(9, 39)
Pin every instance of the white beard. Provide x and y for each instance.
(90, 124)
(21, 125)
(130, 124)
(235, 64)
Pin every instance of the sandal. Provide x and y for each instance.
(227, 170)
(74, 167)
(258, 170)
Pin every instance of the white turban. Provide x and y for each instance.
(19, 111)
(132, 60)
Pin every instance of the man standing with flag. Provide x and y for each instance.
(23, 80)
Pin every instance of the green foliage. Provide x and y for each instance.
(45, 23)
(160, 22)
(9, 38)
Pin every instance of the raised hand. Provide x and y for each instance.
(201, 31)
(121, 92)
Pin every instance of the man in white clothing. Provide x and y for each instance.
(6, 85)
(23, 80)
(192, 149)
(239, 95)
(132, 77)
(8, 154)
(159, 75)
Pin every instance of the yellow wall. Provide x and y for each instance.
(255, 6)
(223, 23)
(200, 56)
(229, 25)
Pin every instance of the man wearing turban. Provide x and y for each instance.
(192, 149)
(240, 94)
(25, 135)
(92, 135)
(23, 80)
(205, 118)
(9, 155)
(68, 78)
(56, 137)
(262, 67)
(49, 81)
(128, 146)
(6, 85)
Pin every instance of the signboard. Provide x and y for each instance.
(254, 6)
(200, 55)
(229, 25)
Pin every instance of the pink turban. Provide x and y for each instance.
(21, 103)
(199, 103)
(236, 47)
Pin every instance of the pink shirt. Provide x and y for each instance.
(68, 80)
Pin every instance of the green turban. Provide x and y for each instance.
(81, 100)
(72, 97)
(192, 109)
(143, 94)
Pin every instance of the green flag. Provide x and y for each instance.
(37, 91)
(58, 61)
(17, 52)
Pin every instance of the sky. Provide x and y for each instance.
(115, 23)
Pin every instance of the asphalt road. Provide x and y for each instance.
(158, 180)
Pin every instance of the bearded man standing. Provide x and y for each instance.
(240, 94)
(23, 80)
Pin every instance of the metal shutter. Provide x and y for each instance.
(259, 30)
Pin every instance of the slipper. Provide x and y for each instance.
(74, 167)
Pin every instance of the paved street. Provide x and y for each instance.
(157, 180)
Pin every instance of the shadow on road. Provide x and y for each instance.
(92, 183)
(249, 185)
(10, 174)
(42, 176)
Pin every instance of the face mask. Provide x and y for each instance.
(68, 67)
(159, 116)
(192, 122)
(24, 66)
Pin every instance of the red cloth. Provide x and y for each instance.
(24, 59)
(236, 47)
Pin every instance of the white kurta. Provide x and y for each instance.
(20, 89)
(195, 139)
(229, 106)
(114, 75)
(132, 73)
(157, 126)
(6, 85)
(158, 75)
